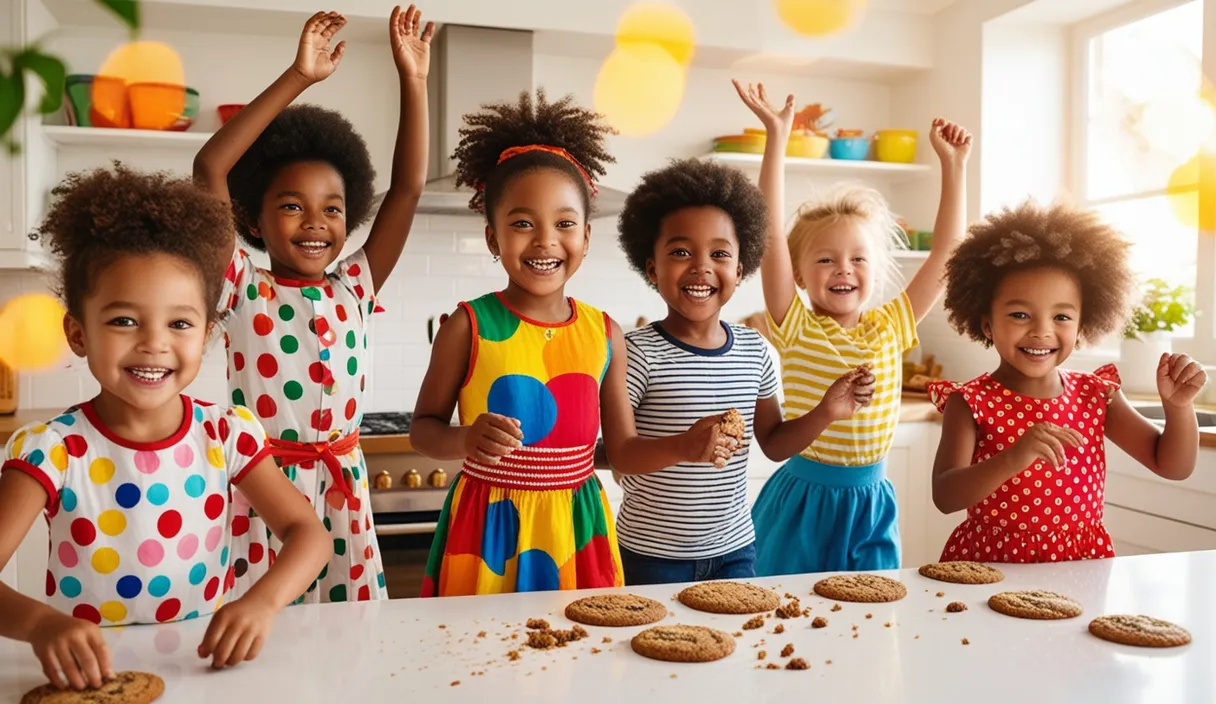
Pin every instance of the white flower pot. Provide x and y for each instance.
(1138, 360)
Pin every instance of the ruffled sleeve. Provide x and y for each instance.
(1108, 379)
(940, 392)
(355, 273)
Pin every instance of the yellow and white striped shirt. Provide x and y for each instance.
(815, 352)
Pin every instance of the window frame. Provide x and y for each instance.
(1202, 345)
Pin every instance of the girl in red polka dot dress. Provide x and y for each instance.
(300, 179)
(1023, 448)
(136, 484)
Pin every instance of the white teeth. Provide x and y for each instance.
(699, 290)
(149, 373)
(843, 289)
(313, 244)
(1037, 351)
(543, 264)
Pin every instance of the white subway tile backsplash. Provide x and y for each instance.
(471, 243)
(429, 243)
(457, 223)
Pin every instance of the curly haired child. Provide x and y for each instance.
(695, 230)
(135, 483)
(1023, 447)
(834, 497)
(300, 180)
(533, 371)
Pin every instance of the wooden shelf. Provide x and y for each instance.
(839, 168)
(102, 137)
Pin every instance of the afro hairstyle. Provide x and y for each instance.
(1032, 236)
(500, 126)
(302, 133)
(101, 215)
(691, 183)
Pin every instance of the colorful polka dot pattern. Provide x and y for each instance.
(493, 539)
(1042, 514)
(296, 357)
(138, 534)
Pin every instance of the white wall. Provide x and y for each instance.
(445, 259)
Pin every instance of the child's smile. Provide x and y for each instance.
(1034, 323)
(696, 262)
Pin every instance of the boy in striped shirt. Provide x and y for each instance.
(832, 508)
(695, 230)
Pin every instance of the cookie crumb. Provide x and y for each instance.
(607, 639)
(514, 636)
(762, 654)
(773, 666)
(455, 683)
(836, 607)
(541, 640)
(854, 635)
(955, 607)
(596, 651)
(481, 635)
(790, 596)
(441, 626)
(917, 637)
(966, 642)
(854, 626)
(788, 650)
(941, 593)
(780, 628)
(513, 655)
(539, 624)
(887, 624)
(798, 664)
(827, 662)
(754, 623)
(819, 622)
(737, 634)
(869, 615)
(673, 675)
(791, 610)
(806, 611)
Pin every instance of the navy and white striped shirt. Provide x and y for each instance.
(691, 511)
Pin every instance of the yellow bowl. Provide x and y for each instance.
(895, 146)
(810, 146)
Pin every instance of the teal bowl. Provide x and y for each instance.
(854, 148)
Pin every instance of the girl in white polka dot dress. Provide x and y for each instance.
(1023, 448)
(136, 483)
(300, 179)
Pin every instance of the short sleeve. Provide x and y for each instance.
(354, 273)
(637, 372)
(785, 334)
(941, 391)
(902, 321)
(244, 442)
(1108, 378)
(237, 277)
(769, 383)
(39, 451)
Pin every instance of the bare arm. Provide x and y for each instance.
(431, 432)
(776, 267)
(396, 214)
(781, 440)
(627, 453)
(953, 146)
(1171, 452)
(314, 62)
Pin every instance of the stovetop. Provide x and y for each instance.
(385, 423)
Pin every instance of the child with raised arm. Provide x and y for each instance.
(1023, 447)
(136, 483)
(300, 179)
(831, 507)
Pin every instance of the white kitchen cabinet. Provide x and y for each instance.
(1146, 514)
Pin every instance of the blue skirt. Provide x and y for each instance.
(813, 517)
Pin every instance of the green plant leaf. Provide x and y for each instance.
(12, 98)
(127, 11)
(52, 72)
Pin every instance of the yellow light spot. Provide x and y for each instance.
(1184, 196)
(140, 84)
(31, 332)
(105, 560)
(113, 611)
(639, 89)
(1178, 125)
(112, 522)
(819, 18)
(59, 457)
(101, 470)
(666, 26)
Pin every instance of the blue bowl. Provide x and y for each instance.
(855, 148)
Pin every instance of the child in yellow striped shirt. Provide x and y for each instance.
(831, 508)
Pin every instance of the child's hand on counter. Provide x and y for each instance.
(236, 632)
(492, 437)
(72, 651)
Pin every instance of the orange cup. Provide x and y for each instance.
(156, 106)
(109, 102)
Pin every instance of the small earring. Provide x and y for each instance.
(495, 258)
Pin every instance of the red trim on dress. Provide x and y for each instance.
(52, 496)
(468, 376)
(538, 323)
(261, 455)
(187, 418)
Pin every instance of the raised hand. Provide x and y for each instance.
(1179, 380)
(778, 122)
(315, 60)
(411, 50)
(951, 142)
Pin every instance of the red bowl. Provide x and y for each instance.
(227, 111)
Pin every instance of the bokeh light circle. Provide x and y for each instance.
(31, 332)
(819, 18)
(639, 88)
(667, 26)
(161, 96)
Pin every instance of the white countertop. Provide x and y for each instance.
(395, 651)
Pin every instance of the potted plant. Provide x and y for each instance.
(1149, 333)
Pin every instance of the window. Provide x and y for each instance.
(1141, 118)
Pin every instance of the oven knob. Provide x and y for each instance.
(384, 480)
(437, 479)
(412, 479)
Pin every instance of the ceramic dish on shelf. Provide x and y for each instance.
(227, 110)
(108, 101)
(850, 148)
(895, 146)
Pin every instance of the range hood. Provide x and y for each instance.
(470, 67)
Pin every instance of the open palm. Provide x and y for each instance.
(755, 98)
(411, 50)
(315, 60)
